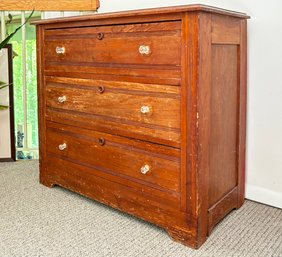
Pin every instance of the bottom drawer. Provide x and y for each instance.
(152, 168)
(108, 189)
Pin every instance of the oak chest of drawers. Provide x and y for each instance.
(145, 111)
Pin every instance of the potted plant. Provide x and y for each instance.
(3, 44)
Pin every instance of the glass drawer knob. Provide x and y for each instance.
(60, 50)
(62, 147)
(62, 99)
(145, 169)
(145, 109)
(144, 50)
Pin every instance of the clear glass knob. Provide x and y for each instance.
(144, 50)
(62, 147)
(62, 99)
(145, 109)
(60, 50)
(145, 169)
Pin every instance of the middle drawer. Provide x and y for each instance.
(143, 111)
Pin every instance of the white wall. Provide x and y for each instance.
(264, 134)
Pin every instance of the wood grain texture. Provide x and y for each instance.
(86, 174)
(115, 48)
(161, 13)
(204, 123)
(184, 111)
(164, 110)
(128, 73)
(110, 31)
(220, 209)
(191, 140)
(225, 30)
(117, 156)
(155, 134)
(50, 5)
(118, 85)
(224, 121)
(123, 197)
(138, 127)
(41, 107)
(189, 114)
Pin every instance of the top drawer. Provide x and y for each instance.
(145, 44)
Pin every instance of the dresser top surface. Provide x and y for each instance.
(144, 12)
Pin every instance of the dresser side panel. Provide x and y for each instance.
(228, 110)
(228, 117)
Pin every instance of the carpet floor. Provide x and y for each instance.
(36, 221)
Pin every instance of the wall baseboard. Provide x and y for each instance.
(7, 160)
(262, 195)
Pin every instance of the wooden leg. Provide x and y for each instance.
(183, 237)
(44, 180)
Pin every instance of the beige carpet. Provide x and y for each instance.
(36, 221)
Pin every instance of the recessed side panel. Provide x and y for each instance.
(224, 118)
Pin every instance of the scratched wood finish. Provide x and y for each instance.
(116, 156)
(116, 45)
(139, 16)
(204, 123)
(123, 86)
(119, 119)
(116, 72)
(170, 27)
(118, 195)
(220, 209)
(50, 5)
(164, 109)
(194, 138)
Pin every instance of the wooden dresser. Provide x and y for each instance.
(145, 111)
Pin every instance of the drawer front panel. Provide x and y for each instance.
(85, 180)
(139, 74)
(169, 137)
(151, 165)
(147, 44)
(137, 103)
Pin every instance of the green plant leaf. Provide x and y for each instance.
(4, 85)
(7, 39)
(3, 107)
(1, 87)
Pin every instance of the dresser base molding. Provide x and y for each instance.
(224, 206)
(183, 237)
(179, 225)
